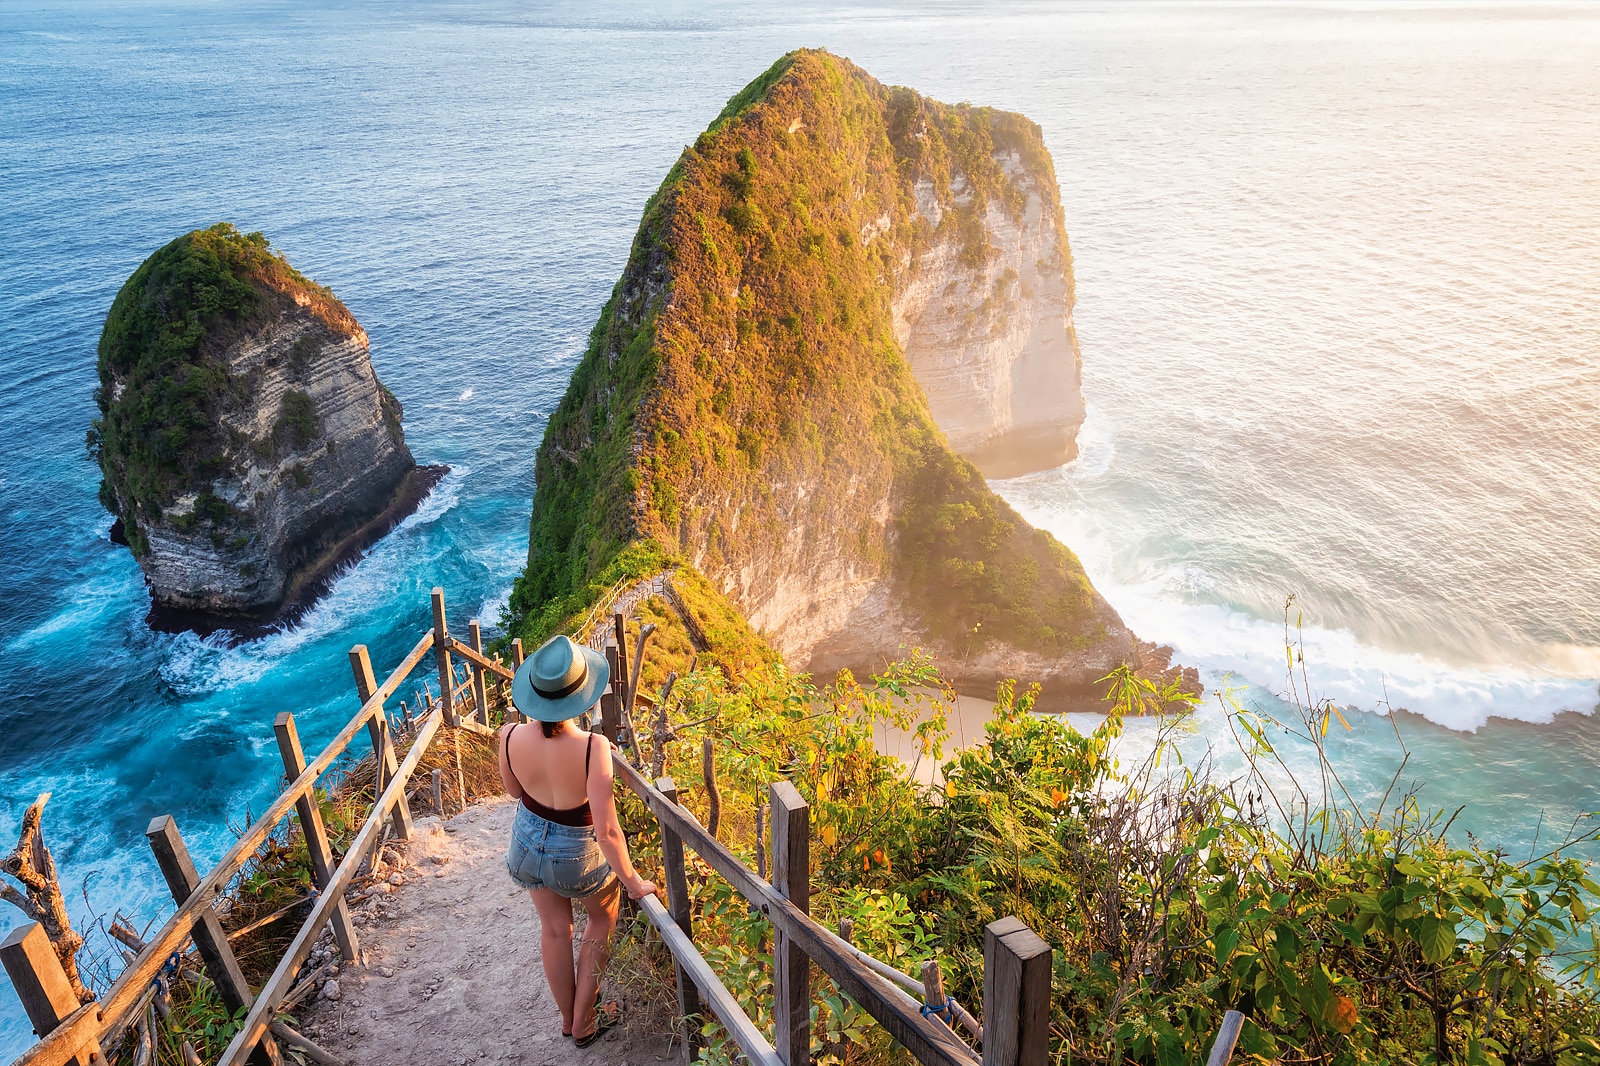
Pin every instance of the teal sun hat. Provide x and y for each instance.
(559, 681)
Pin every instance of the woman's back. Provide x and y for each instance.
(552, 770)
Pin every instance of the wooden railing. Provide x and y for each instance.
(1016, 990)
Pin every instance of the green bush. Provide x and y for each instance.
(298, 421)
(1344, 935)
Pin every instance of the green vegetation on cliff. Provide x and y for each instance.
(744, 378)
(161, 384)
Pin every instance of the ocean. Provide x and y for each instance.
(1337, 272)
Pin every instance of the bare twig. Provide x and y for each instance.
(32, 865)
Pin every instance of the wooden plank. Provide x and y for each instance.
(929, 1041)
(294, 764)
(473, 727)
(480, 692)
(172, 855)
(1016, 995)
(378, 732)
(679, 907)
(718, 998)
(35, 971)
(278, 985)
(791, 970)
(1227, 1039)
(477, 658)
(127, 990)
(441, 635)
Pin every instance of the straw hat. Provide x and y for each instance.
(559, 681)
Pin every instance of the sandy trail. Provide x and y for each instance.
(453, 972)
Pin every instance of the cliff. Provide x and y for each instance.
(983, 310)
(246, 444)
(750, 404)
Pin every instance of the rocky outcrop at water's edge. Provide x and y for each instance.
(290, 459)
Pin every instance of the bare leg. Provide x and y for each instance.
(593, 953)
(555, 944)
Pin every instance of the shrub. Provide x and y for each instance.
(1344, 935)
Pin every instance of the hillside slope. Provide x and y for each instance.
(746, 404)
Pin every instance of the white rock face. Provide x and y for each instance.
(314, 452)
(992, 343)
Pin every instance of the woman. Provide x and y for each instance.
(566, 843)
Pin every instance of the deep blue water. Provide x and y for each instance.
(1336, 275)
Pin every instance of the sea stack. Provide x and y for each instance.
(843, 296)
(245, 442)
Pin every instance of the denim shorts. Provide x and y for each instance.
(563, 858)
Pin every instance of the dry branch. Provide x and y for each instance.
(31, 864)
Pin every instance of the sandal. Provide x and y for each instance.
(604, 1022)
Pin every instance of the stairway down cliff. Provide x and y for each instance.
(839, 288)
(246, 445)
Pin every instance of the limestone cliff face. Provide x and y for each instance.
(272, 452)
(990, 337)
(840, 289)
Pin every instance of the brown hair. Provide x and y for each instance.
(550, 729)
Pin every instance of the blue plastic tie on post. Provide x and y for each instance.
(169, 967)
(939, 1011)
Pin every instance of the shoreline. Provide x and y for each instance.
(313, 581)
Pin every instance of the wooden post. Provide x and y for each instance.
(619, 626)
(172, 855)
(1227, 1039)
(678, 906)
(791, 876)
(461, 780)
(42, 985)
(611, 700)
(517, 658)
(294, 764)
(382, 745)
(441, 650)
(1016, 995)
(761, 842)
(436, 780)
(480, 693)
(933, 990)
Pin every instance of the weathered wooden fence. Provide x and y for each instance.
(1017, 963)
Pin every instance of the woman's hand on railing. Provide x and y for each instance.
(642, 889)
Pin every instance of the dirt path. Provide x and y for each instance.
(453, 972)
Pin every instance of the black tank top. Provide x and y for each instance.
(577, 816)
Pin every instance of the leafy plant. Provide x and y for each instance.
(1345, 935)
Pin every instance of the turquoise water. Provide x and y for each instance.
(1336, 273)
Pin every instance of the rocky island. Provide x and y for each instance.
(843, 296)
(246, 445)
